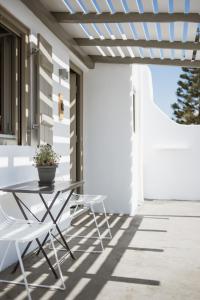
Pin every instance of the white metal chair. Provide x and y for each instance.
(23, 231)
(89, 201)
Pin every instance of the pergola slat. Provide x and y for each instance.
(188, 54)
(148, 6)
(165, 31)
(127, 30)
(192, 30)
(140, 31)
(178, 54)
(138, 60)
(146, 53)
(167, 53)
(104, 31)
(156, 53)
(115, 30)
(194, 6)
(178, 31)
(163, 6)
(121, 17)
(179, 6)
(132, 5)
(138, 43)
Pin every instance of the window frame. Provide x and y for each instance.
(23, 136)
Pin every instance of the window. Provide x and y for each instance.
(15, 103)
(9, 84)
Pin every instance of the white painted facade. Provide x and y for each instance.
(170, 154)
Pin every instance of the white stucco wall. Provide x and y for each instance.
(112, 150)
(171, 154)
(16, 161)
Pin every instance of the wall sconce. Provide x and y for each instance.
(63, 74)
(61, 108)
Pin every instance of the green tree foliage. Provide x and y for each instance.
(186, 110)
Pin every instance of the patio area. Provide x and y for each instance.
(152, 255)
(76, 81)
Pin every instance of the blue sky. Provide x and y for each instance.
(164, 86)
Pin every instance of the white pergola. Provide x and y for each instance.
(161, 32)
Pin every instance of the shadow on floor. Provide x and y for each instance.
(90, 272)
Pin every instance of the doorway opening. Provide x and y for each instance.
(76, 123)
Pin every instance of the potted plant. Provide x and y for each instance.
(46, 161)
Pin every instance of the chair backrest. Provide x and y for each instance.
(4, 218)
(3, 215)
(74, 197)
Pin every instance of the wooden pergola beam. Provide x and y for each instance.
(138, 43)
(46, 17)
(146, 60)
(121, 17)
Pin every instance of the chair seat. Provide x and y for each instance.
(22, 231)
(86, 199)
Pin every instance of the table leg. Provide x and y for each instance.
(20, 206)
(46, 214)
(48, 208)
(65, 243)
(22, 203)
(55, 221)
(47, 259)
(41, 248)
(55, 237)
(43, 242)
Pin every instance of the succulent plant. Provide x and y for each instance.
(46, 156)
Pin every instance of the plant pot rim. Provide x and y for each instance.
(47, 167)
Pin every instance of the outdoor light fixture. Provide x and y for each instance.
(63, 74)
(61, 109)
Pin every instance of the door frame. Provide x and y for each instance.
(79, 122)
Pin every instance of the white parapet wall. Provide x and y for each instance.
(170, 154)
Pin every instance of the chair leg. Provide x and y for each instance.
(106, 217)
(46, 257)
(75, 210)
(57, 261)
(25, 282)
(97, 227)
(23, 271)
(4, 256)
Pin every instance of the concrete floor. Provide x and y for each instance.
(155, 255)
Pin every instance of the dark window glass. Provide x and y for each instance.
(9, 82)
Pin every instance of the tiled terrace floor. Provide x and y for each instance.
(155, 255)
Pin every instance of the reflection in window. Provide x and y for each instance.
(9, 82)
